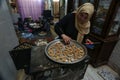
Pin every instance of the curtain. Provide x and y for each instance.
(31, 8)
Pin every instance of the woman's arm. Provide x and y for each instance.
(60, 26)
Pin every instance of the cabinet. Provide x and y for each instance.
(104, 32)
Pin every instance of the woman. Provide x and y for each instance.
(75, 25)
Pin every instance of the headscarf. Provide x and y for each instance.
(85, 27)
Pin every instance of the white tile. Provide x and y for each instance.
(91, 74)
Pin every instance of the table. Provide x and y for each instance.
(47, 37)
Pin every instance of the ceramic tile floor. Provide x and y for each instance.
(91, 74)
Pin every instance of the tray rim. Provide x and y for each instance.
(56, 40)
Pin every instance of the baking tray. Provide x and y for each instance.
(71, 42)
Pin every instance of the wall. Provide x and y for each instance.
(114, 60)
(8, 40)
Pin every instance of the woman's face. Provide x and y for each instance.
(82, 17)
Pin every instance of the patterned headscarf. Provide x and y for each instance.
(83, 28)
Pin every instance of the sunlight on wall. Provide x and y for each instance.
(56, 0)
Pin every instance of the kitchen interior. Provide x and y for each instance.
(24, 53)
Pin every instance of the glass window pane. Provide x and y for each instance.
(84, 1)
(116, 23)
(91, 1)
(100, 17)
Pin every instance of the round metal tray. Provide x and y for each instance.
(72, 41)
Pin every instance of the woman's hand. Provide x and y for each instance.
(66, 38)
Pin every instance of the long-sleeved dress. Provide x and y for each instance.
(67, 26)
